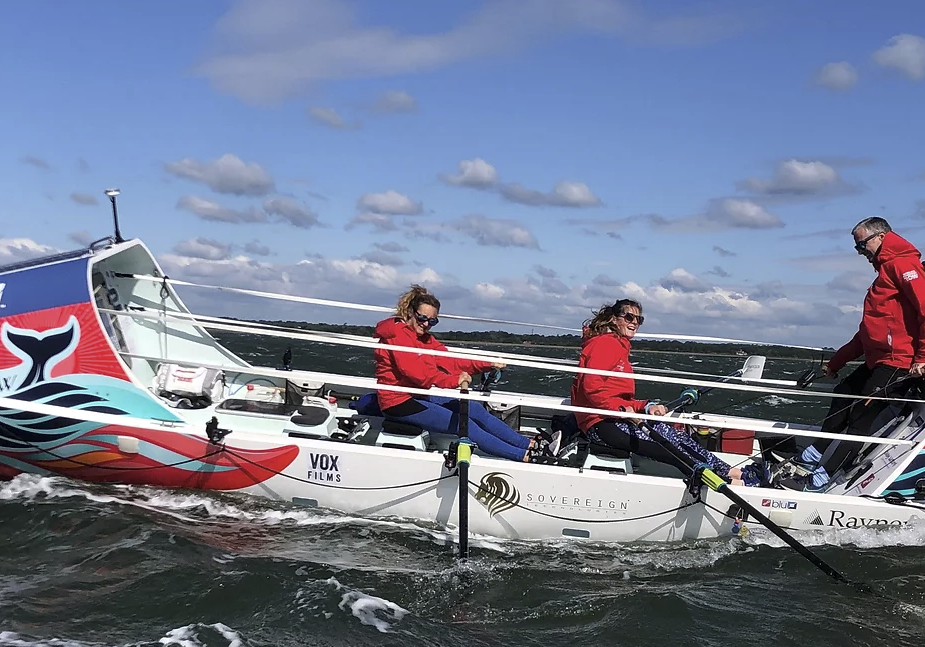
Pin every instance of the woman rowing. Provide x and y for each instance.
(606, 347)
(416, 314)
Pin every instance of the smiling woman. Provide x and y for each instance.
(417, 312)
(606, 347)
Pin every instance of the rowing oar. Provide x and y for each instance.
(712, 480)
(692, 396)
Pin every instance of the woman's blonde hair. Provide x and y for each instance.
(601, 322)
(410, 301)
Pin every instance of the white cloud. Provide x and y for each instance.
(365, 281)
(905, 53)
(498, 232)
(837, 76)
(564, 194)
(799, 178)
(209, 210)
(21, 249)
(378, 221)
(395, 101)
(331, 118)
(490, 232)
(203, 248)
(285, 210)
(390, 203)
(84, 199)
(475, 173)
(681, 279)
(488, 291)
(479, 174)
(383, 258)
(679, 302)
(727, 213)
(290, 211)
(855, 283)
(391, 246)
(227, 174)
(268, 51)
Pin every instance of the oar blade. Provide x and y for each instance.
(754, 367)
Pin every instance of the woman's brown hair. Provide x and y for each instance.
(601, 322)
(410, 301)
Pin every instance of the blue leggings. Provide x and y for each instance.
(441, 415)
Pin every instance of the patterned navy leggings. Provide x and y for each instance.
(631, 438)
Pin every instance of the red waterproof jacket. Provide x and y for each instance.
(608, 352)
(402, 368)
(892, 330)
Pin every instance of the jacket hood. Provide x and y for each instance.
(388, 328)
(895, 246)
(588, 339)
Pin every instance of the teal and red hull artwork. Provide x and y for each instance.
(54, 352)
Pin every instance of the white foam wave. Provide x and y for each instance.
(912, 534)
(13, 639)
(370, 610)
(191, 635)
(777, 400)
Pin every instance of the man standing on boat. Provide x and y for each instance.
(891, 338)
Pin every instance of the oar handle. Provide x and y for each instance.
(692, 396)
(688, 397)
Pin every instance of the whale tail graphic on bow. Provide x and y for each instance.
(40, 352)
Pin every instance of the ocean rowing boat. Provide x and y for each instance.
(106, 376)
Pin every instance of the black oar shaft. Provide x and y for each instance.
(463, 467)
(716, 483)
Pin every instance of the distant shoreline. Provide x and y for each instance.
(634, 350)
(572, 342)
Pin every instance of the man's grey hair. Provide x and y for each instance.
(874, 225)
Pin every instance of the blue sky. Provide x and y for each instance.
(527, 159)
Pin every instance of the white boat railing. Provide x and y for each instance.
(508, 398)
(216, 323)
(384, 309)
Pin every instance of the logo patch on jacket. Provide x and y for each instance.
(911, 274)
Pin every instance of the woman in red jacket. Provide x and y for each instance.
(415, 315)
(606, 347)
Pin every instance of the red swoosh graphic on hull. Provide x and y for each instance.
(107, 464)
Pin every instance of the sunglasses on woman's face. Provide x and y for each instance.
(424, 319)
(629, 317)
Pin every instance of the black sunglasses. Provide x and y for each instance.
(424, 319)
(861, 245)
(629, 317)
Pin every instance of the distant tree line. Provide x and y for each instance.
(572, 340)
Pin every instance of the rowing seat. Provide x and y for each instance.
(398, 435)
(401, 435)
(591, 456)
(579, 452)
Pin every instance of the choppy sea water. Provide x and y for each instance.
(88, 565)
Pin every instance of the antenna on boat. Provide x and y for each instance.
(112, 193)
